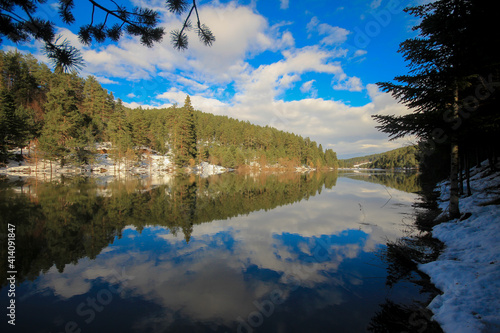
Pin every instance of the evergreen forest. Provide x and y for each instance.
(400, 158)
(61, 117)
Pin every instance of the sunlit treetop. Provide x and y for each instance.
(20, 23)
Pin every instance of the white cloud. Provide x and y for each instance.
(105, 80)
(285, 41)
(307, 86)
(343, 82)
(239, 32)
(359, 53)
(334, 35)
(269, 81)
(191, 83)
(313, 24)
(199, 102)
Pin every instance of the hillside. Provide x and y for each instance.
(62, 118)
(400, 158)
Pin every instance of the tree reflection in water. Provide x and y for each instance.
(62, 221)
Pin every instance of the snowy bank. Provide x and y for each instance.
(104, 166)
(468, 270)
(206, 169)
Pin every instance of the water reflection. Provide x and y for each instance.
(270, 253)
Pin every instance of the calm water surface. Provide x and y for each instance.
(230, 253)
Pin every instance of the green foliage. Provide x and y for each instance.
(9, 123)
(401, 158)
(63, 135)
(231, 142)
(98, 105)
(331, 158)
(119, 133)
(184, 134)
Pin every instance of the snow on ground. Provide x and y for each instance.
(104, 166)
(468, 270)
(206, 169)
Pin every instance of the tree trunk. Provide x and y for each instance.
(493, 162)
(467, 172)
(454, 191)
(461, 168)
(454, 211)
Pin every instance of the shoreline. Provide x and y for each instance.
(150, 164)
(157, 166)
(467, 271)
(104, 166)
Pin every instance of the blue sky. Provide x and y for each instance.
(307, 67)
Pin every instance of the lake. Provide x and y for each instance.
(230, 253)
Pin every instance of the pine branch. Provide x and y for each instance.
(65, 7)
(65, 57)
(179, 37)
(177, 6)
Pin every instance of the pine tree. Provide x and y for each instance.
(29, 127)
(9, 124)
(97, 105)
(140, 127)
(185, 134)
(162, 132)
(331, 159)
(119, 133)
(63, 135)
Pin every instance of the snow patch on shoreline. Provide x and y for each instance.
(104, 166)
(206, 169)
(468, 270)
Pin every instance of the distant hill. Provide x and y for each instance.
(355, 161)
(400, 158)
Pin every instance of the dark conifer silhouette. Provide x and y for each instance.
(446, 72)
